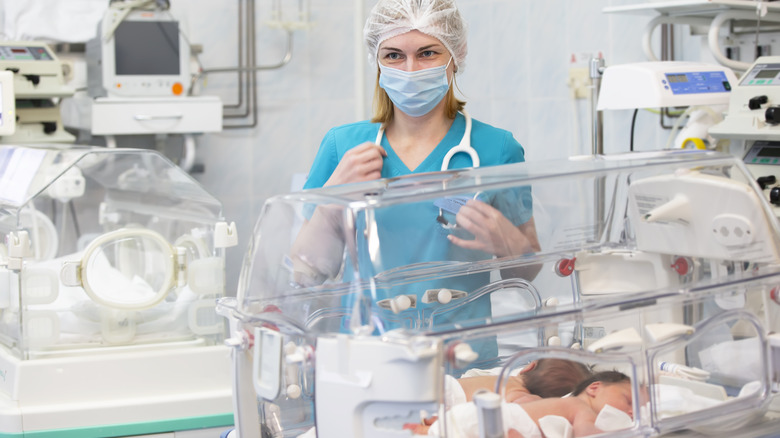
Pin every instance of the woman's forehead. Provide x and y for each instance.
(412, 40)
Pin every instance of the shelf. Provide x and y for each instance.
(710, 14)
(702, 8)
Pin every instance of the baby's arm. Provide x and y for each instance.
(584, 422)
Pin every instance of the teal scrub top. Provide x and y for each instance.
(409, 233)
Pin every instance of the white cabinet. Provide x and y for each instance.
(185, 115)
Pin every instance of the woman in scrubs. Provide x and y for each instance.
(418, 47)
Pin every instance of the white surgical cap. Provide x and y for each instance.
(437, 18)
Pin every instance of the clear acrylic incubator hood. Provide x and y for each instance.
(112, 262)
(354, 312)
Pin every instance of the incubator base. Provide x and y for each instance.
(765, 427)
(178, 390)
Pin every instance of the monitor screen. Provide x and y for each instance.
(147, 48)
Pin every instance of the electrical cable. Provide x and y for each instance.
(633, 124)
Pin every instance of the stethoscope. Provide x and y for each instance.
(463, 146)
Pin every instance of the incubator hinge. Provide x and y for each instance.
(18, 244)
(225, 235)
(239, 341)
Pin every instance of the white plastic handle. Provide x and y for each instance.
(145, 117)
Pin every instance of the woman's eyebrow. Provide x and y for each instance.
(421, 49)
(428, 47)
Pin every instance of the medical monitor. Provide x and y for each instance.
(762, 74)
(664, 84)
(142, 54)
(7, 104)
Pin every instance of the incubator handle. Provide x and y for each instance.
(267, 363)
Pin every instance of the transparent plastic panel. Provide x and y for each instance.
(103, 248)
(363, 246)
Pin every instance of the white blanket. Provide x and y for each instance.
(463, 420)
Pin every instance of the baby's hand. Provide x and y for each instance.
(422, 427)
(417, 428)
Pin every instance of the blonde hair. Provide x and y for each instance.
(383, 106)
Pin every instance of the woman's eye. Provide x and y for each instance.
(393, 56)
(427, 53)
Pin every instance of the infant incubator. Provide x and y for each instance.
(663, 266)
(112, 262)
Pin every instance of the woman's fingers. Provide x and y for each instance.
(361, 163)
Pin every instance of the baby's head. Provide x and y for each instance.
(554, 377)
(607, 388)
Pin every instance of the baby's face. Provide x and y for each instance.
(617, 395)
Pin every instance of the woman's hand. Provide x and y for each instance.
(361, 163)
(493, 232)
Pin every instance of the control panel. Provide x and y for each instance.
(763, 161)
(696, 82)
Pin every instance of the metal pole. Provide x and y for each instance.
(596, 70)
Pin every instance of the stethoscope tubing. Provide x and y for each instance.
(463, 146)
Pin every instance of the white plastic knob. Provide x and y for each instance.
(289, 348)
(554, 341)
(551, 302)
(400, 303)
(464, 353)
(293, 391)
(444, 296)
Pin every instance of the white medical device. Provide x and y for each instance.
(664, 84)
(38, 73)
(139, 80)
(38, 80)
(140, 53)
(754, 107)
(7, 106)
(754, 117)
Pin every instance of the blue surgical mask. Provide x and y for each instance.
(415, 93)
